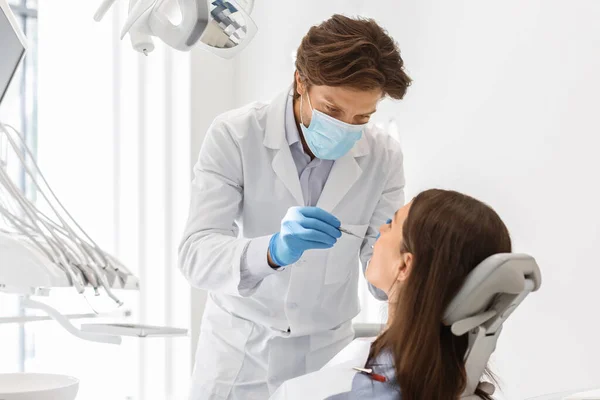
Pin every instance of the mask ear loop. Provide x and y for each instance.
(309, 102)
(301, 107)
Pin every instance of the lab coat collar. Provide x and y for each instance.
(283, 163)
(344, 173)
(292, 135)
(275, 127)
(361, 148)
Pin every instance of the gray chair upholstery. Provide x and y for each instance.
(489, 295)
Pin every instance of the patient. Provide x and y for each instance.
(421, 260)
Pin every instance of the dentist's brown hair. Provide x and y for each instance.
(351, 52)
(448, 235)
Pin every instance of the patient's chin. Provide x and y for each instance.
(368, 274)
(372, 274)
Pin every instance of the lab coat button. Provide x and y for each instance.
(292, 305)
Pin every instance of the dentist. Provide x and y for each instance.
(273, 185)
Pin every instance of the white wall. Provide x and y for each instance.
(266, 66)
(504, 107)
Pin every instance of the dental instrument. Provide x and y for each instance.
(69, 249)
(347, 232)
(41, 244)
(369, 371)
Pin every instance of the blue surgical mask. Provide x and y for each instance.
(329, 138)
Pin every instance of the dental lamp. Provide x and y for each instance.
(222, 27)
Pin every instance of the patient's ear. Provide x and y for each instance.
(405, 267)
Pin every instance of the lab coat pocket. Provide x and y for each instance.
(343, 257)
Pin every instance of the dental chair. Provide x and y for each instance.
(491, 292)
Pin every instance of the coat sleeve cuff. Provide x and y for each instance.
(255, 265)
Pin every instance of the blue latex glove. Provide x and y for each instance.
(303, 228)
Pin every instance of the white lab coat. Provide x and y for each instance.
(295, 320)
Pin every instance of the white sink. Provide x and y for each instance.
(30, 386)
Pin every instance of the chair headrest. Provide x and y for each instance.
(499, 274)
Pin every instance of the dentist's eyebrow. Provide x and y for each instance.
(370, 112)
(331, 102)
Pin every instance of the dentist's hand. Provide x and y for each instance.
(303, 228)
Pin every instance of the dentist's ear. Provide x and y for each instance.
(299, 84)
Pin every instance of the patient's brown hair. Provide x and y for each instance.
(351, 52)
(448, 235)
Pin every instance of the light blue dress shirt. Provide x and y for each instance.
(313, 175)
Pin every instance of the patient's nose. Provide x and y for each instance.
(383, 227)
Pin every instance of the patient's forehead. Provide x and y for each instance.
(402, 214)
